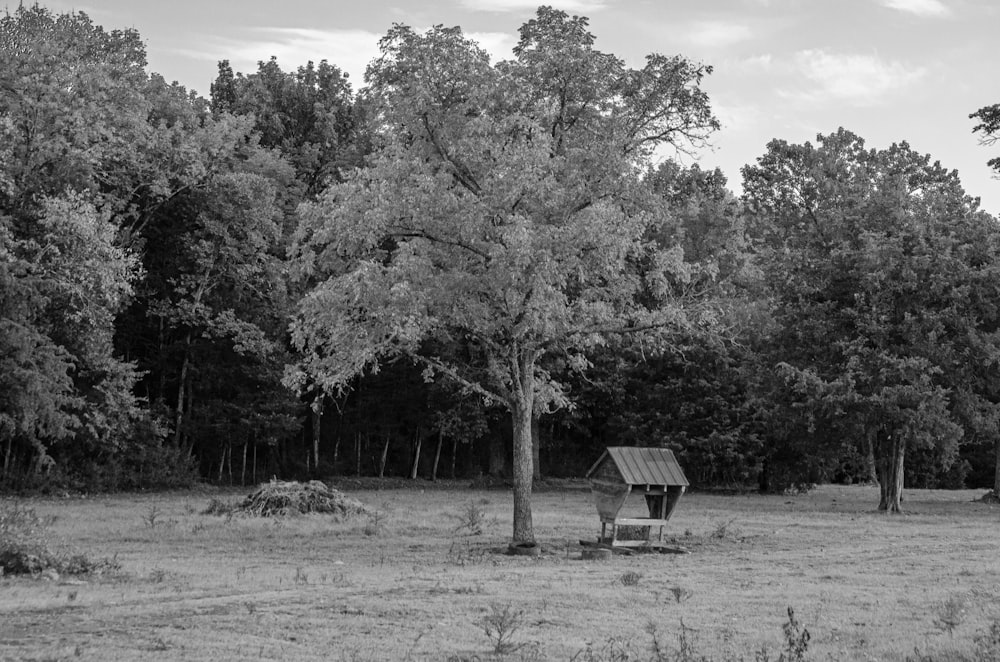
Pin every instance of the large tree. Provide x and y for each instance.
(873, 255)
(71, 112)
(502, 213)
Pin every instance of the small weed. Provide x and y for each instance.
(152, 516)
(301, 577)
(220, 507)
(463, 553)
(376, 520)
(725, 531)
(950, 615)
(500, 625)
(615, 649)
(796, 640)
(157, 575)
(630, 578)
(988, 643)
(471, 519)
(680, 593)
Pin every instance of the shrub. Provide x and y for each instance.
(25, 548)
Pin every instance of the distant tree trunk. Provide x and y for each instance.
(179, 414)
(357, 448)
(317, 430)
(243, 471)
(521, 419)
(996, 470)
(536, 444)
(336, 451)
(454, 455)
(891, 465)
(437, 456)
(870, 456)
(10, 443)
(255, 463)
(416, 456)
(222, 463)
(385, 456)
(497, 458)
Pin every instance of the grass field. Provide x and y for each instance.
(411, 582)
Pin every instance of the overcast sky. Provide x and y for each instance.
(888, 70)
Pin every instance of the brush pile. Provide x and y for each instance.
(990, 497)
(279, 499)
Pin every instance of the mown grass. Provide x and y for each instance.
(420, 582)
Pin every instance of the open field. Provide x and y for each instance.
(406, 584)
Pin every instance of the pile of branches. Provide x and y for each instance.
(278, 498)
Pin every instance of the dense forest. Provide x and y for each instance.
(469, 268)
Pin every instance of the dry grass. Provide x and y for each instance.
(200, 587)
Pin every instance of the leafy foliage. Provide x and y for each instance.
(871, 254)
(501, 216)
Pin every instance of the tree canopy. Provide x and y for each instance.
(503, 213)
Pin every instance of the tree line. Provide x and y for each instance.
(469, 268)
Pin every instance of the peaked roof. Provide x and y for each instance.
(644, 466)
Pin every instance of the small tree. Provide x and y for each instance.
(503, 214)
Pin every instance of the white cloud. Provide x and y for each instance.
(756, 63)
(520, 5)
(498, 44)
(351, 50)
(856, 79)
(919, 7)
(717, 33)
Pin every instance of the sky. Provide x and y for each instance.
(888, 70)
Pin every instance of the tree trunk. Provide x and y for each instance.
(996, 471)
(521, 418)
(243, 471)
(10, 443)
(385, 456)
(336, 452)
(222, 464)
(870, 457)
(536, 444)
(454, 455)
(416, 456)
(317, 425)
(891, 475)
(179, 414)
(255, 463)
(497, 458)
(523, 471)
(437, 456)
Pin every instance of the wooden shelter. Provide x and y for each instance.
(622, 471)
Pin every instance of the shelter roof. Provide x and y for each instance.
(644, 466)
